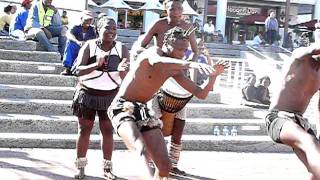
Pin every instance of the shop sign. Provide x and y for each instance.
(236, 11)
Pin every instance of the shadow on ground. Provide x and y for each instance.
(190, 177)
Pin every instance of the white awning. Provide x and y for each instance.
(187, 9)
(152, 5)
(91, 3)
(140, 1)
(116, 4)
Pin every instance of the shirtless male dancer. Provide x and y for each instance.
(129, 113)
(284, 122)
(174, 11)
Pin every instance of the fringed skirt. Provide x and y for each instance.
(87, 103)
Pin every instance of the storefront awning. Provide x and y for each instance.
(309, 24)
(253, 19)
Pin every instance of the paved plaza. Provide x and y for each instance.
(57, 164)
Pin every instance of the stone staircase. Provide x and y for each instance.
(35, 109)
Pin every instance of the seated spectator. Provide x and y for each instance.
(43, 23)
(263, 95)
(5, 21)
(288, 42)
(220, 37)
(199, 30)
(208, 30)
(249, 92)
(258, 40)
(64, 18)
(13, 9)
(77, 36)
(304, 40)
(17, 25)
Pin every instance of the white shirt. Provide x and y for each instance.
(256, 41)
(208, 28)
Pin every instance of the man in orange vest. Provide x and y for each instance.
(43, 23)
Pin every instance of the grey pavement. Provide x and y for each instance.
(57, 164)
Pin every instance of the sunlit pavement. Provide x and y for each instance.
(34, 164)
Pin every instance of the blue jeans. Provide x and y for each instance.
(56, 31)
(271, 36)
(70, 54)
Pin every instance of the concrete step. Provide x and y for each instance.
(36, 92)
(28, 123)
(30, 67)
(35, 106)
(29, 45)
(36, 79)
(204, 126)
(190, 142)
(10, 44)
(128, 33)
(66, 93)
(54, 124)
(213, 97)
(225, 46)
(62, 107)
(125, 39)
(30, 56)
(224, 52)
(195, 110)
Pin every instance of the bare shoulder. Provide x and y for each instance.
(161, 22)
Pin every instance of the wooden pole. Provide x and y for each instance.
(205, 11)
(287, 15)
(86, 5)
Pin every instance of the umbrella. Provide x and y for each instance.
(91, 3)
(152, 5)
(116, 4)
(187, 9)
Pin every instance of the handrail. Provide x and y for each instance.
(257, 52)
(284, 49)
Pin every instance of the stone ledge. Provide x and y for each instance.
(37, 79)
(190, 142)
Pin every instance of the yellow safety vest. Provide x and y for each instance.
(45, 17)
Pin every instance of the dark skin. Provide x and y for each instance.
(301, 82)
(107, 36)
(142, 81)
(85, 27)
(174, 11)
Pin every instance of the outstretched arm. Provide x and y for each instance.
(149, 35)
(201, 92)
(156, 58)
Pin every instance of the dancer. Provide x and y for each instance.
(169, 105)
(174, 10)
(129, 113)
(101, 65)
(285, 123)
